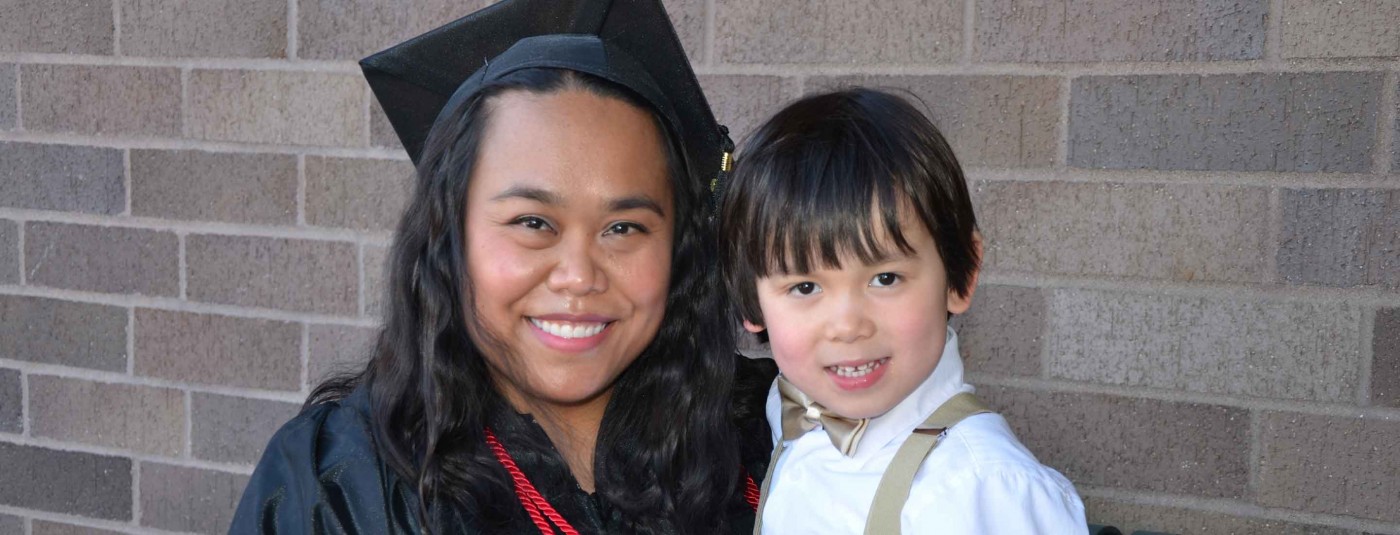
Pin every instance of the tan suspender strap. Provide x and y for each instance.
(885, 510)
(763, 492)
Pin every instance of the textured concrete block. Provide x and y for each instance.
(302, 275)
(1341, 237)
(57, 27)
(743, 102)
(1272, 349)
(140, 418)
(376, 275)
(1175, 232)
(338, 349)
(218, 350)
(42, 527)
(1004, 330)
(62, 177)
(67, 482)
(1110, 30)
(1139, 444)
(1236, 122)
(688, 17)
(219, 28)
(238, 188)
(1130, 517)
(188, 499)
(356, 193)
(352, 29)
(1385, 358)
(283, 107)
(9, 252)
(1334, 465)
(1332, 29)
(381, 132)
(837, 31)
(11, 402)
(102, 100)
(11, 524)
(49, 331)
(991, 121)
(9, 103)
(102, 259)
(233, 429)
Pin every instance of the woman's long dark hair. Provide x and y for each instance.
(666, 456)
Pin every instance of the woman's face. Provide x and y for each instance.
(568, 233)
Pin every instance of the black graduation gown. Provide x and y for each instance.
(320, 474)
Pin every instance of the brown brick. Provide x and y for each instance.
(1302, 122)
(302, 275)
(744, 102)
(101, 100)
(219, 350)
(1333, 465)
(188, 499)
(220, 28)
(102, 259)
(838, 31)
(1003, 332)
(299, 108)
(376, 272)
(42, 527)
(1264, 348)
(61, 177)
(58, 27)
(352, 29)
(1130, 517)
(991, 121)
(1385, 358)
(1140, 444)
(1174, 232)
(9, 252)
(1341, 237)
(9, 105)
(239, 188)
(67, 482)
(338, 349)
(1110, 30)
(233, 429)
(11, 402)
(49, 331)
(140, 418)
(381, 132)
(1330, 29)
(356, 193)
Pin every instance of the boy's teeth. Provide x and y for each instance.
(857, 371)
(567, 329)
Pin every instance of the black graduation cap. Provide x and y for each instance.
(628, 42)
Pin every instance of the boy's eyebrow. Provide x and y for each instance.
(541, 196)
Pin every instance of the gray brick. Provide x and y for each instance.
(11, 402)
(49, 331)
(233, 429)
(381, 132)
(9, 252)
(1333, 465)
(338, 349)
(1330, 29)
(1236, 122)
(1395, 150)
(102, 259)
(1385, 358)
(1139, 444)
(42, 527)
(218, 350)
(1174, 232)
(356, 193)
(837, 31)
(101, 100)
(220, 28)
(188, 499)
(282, 107)
(743, 102)
(301, 275)
(1273, 349)
(1341, 237)
(238, 188)
(139, 418)
(688, 16)
(1109, 30)
(9, 105)
(58, 27)
(352, 29)
(11, 524)
(62, 177)
(991, 121)
(1130, 517)
(68, 482)
(1003, 332)
(376, 273)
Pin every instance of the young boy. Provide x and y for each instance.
(849, 243)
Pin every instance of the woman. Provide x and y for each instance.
(554, 355)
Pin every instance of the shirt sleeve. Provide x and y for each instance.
(1005, 499)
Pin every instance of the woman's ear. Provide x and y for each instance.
(750, 327)
(960, 303)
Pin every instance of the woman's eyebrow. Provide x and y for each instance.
(541, 196)
(636, 202)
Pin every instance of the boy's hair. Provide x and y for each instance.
(809, 184)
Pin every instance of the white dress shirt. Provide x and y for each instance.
(979, 479)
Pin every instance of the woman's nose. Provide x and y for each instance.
(577, 272)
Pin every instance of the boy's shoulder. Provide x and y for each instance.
(980, 445)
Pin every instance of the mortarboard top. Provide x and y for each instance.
(628, 42)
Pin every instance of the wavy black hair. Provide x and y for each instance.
(666, 456)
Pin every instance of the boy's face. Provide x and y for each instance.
(860, 339)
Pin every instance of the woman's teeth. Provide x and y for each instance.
(569, 330)
(858, 371)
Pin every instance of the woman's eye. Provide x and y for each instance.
(532, 222)
(625, 228)
(804, 288)
(884, 279)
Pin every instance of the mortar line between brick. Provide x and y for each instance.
(1240, 508)
(708, 44)
(189, 425)
(121, 379)
(59, 445)
(175, 305)
(82, 521)
(135, 492)
(293, 30)
(1062, 128)
(28, 526)
(131, 341)
(116, 28)
(1368, 356)
(346, 66)
(969, 33)
(202, 227)
(305, 357)
(184, 267)
(301, 190)
(1211, 290)
(126, 181)
(1256, 447)
(156, 143)
(1385, 139)
(1273, 244)
(1273, 34)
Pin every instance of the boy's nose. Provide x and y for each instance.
(577, 273)
(850, 321)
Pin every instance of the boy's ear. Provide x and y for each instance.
(958, 304)
(750, 327)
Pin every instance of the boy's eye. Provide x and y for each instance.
(884, 279)
(804, 288)
(625, 228)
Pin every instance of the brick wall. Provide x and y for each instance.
(1192, 298)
